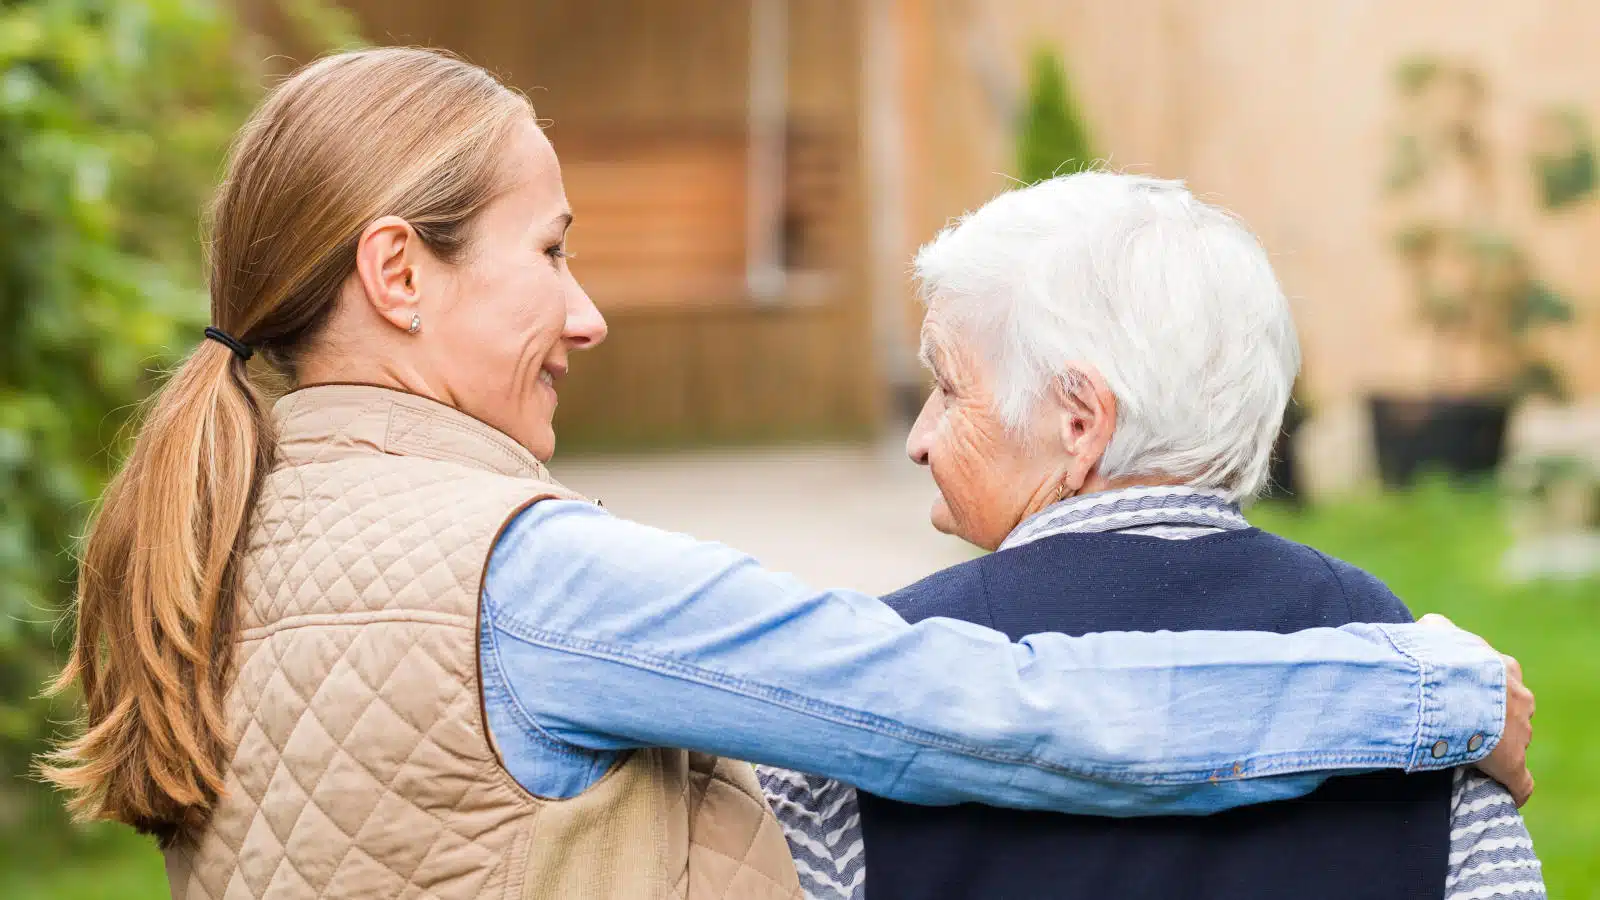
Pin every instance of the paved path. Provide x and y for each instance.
(837, 516)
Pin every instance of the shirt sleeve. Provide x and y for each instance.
(1491, 852)
(612, 635)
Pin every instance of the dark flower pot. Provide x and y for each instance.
(1463, 437)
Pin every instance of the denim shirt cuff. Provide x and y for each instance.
(1462, 706)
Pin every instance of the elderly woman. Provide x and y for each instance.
(362, 644)
(1111, 360)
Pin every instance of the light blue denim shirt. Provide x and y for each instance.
(600, 635)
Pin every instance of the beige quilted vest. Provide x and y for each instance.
(363, 767)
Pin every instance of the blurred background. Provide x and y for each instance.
(750, 179)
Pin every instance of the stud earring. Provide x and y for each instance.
(416, 324)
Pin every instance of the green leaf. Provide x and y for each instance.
(1052, 139)
(1538, 304)
(1566, 171)
(1418, 241)
(1406, 165)
(1412, 76)
(1491, 246)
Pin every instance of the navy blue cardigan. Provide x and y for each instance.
(1383, 835)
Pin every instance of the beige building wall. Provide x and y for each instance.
(1279, 111)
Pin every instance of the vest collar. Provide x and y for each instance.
(330, 422)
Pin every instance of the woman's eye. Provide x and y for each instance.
(557, 252)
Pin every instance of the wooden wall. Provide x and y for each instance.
(645, 101)
(1282, 112)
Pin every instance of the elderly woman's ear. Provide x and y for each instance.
(1085, 417)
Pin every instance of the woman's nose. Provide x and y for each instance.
(585, 327)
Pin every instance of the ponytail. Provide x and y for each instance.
(350, 138)
(155, 605)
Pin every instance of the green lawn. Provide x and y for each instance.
(1438, 549)
(113, 863)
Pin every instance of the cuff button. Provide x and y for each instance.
(1440, 748)
(1474, 742)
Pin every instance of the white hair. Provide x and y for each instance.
(1171, 299)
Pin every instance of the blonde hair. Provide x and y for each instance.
(350, 138)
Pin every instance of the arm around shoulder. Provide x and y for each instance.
(616, 635)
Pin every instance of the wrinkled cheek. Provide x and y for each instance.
(959, 473)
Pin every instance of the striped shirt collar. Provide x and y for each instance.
(1170, 511)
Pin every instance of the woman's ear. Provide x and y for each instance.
(1088, 418)
(388, 254)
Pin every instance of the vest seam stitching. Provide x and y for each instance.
(456, 421)
(496, 764)
(352, 619)
(427, 417)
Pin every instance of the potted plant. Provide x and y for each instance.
(1477, 289)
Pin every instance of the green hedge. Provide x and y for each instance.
(115, 117)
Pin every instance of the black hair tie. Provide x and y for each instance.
(239, 348)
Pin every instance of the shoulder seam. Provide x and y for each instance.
(983, 589)
(1344, 591)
